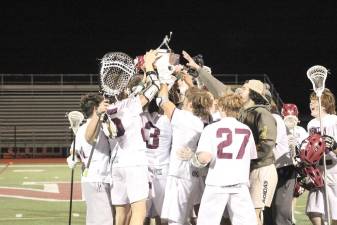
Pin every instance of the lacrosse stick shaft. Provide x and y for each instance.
(324, 162)
(98, 125)
(72, 185)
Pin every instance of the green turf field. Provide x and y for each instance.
(18, 211)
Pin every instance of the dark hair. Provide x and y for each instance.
(89, 102)
(257, 98)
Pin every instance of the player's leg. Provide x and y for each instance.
(240, 208)
(122, 212)
(315, 207)
(137, 186)
(99, 209)
(282, 201)
(263, 182)
(212, 206)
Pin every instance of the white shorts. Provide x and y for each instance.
(316, 199)
(239, 206)
(158, 177)
(129, 185)
(263, 183)
(97, 199)
(180, 197)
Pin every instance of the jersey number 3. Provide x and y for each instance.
(226, 155)
(150, 135)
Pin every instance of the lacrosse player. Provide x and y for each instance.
(227, 145)
(255, 114)
(96, 184)
(316, 209)
(184, 183)
(130, 187)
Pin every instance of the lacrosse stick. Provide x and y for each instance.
(75, 118)
(317, 75)
(116, 70)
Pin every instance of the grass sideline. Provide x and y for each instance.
(15, 211)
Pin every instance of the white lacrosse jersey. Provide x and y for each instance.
(157, 134)
(281, 150)
(99, 169)
(329, 125)
(232, 146)
(130, 147)
(186, 131)
(300, 134)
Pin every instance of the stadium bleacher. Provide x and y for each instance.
(33, 109)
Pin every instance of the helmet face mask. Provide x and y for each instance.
(312, 150)
(290, 121)
(310, 178)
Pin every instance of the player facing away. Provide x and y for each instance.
(228, 146)
(183, 185)
(316, 209)
(157, 133)
(255, 114)
(130, 188)
(96, 184)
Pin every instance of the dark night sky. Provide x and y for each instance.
(280, 38)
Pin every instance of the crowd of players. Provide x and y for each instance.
(188, 149)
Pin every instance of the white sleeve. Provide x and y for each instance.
(253, 152)
(204, 144)
(132, 104)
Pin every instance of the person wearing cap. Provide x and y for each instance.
(255, 114)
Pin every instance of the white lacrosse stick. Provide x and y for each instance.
(317, 75)
(75, 118)
(116, 70)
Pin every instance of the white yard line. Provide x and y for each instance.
(30, 218)
(40, 199)
(38, 165)
(29, 171)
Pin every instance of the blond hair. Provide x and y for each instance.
(327, 99)
(201, 101)
(230, 104)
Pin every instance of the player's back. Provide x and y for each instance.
(186, 131)
(130, 147)
(157, 134)
(232, 146)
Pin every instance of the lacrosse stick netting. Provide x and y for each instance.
(75, 118)
(317, 75)
(116, 70)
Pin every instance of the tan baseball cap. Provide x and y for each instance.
(258, 87)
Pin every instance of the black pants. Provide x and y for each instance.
(280, 212)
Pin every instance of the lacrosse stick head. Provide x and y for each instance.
(317, 75)
(116, 70)
(75, 118)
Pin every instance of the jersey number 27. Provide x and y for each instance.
(228, 141)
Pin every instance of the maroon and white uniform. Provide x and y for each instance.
(232, 146)
(128, 156)
(96, 184)
(316, 198)
(157, 133)
(184, 184)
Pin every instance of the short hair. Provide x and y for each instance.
(327, 99)
(89, 102)
(201, 101)
(230, 104)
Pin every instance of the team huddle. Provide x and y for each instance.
(172, 143)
